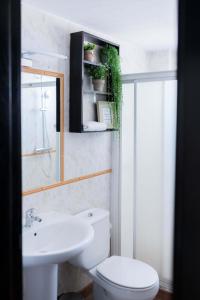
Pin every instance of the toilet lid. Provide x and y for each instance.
(127, 272)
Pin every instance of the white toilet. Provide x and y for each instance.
(115, 277)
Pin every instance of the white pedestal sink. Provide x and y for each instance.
(55, 240)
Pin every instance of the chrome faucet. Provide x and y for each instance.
(30, 218)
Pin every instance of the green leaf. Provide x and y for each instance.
(110, 57)
(89, 46)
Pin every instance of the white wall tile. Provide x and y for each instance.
(84, 153)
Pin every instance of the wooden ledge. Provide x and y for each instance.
(69, 181)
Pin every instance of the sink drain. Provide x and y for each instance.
(71, 296)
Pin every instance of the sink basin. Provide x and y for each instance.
(55, 240)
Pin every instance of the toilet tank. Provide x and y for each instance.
(99, 248)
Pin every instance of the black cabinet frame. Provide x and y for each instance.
(77, 64)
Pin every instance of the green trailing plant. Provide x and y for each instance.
(110, 57)
(89, 46)
(98, 72)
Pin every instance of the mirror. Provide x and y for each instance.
(42, 129)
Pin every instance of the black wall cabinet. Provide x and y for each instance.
(83, 98)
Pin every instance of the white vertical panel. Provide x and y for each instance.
(115, 215)
(155, 175)
(147, 221)
(127, 170)
(169, 156)
(149, 173)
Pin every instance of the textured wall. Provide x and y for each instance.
(163, 60)
(84, 153)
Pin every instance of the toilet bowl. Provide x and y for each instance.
(120, 278)
(114, 277)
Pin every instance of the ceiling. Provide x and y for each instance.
(152, 24)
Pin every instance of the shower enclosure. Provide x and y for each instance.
(148, 143)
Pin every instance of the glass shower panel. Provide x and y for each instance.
(155, 122)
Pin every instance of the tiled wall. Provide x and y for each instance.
(84, 153)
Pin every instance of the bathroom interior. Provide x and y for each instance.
(98, 122)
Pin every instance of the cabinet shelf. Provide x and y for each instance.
(86, 62)
(96, 92)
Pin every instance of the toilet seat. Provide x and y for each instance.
(127, 273)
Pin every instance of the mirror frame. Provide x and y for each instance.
(62, 176)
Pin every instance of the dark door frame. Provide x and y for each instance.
(187, 210)
(10, 150)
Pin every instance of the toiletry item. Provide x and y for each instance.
(94, 126)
